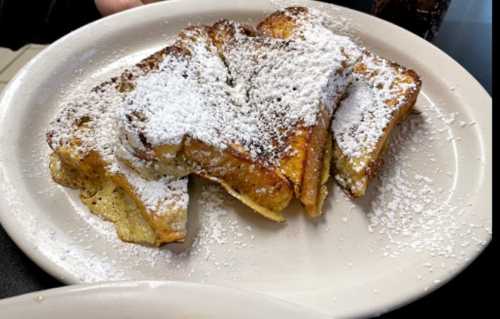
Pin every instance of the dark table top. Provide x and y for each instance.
(466, 35)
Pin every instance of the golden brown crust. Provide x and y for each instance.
(266, 187)
(113, 198)
(223, 31)
(282, 24)
(105, 199)
(316, 150)
(355, 182)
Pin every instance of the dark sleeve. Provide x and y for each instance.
(42, 21)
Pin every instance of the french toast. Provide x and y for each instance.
(249, 109)
(381, 95)
(83, 138)
(265, 112)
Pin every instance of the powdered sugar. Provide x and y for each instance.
(253, 96)
(162, 196)
(409, 209)
(95, 112)
(352, 132)
(174, 99)
(372, 101)
(218, 227)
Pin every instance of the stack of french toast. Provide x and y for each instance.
(268, 112)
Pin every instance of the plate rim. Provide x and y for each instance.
(154, 286)
(66, 276)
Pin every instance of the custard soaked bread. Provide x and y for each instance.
(381, 95)
(249, 109)
(85, 141)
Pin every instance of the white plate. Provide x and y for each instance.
(423, 221)
(150, 299)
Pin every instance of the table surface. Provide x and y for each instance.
(465, 34)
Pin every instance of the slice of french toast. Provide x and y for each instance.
(381, 95)
(174, 109)
(249, 109)
(308, 168)
(83, 138)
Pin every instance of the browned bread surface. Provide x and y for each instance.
(287, 157)
(381, 96)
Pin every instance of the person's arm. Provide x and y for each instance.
(43, 21)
